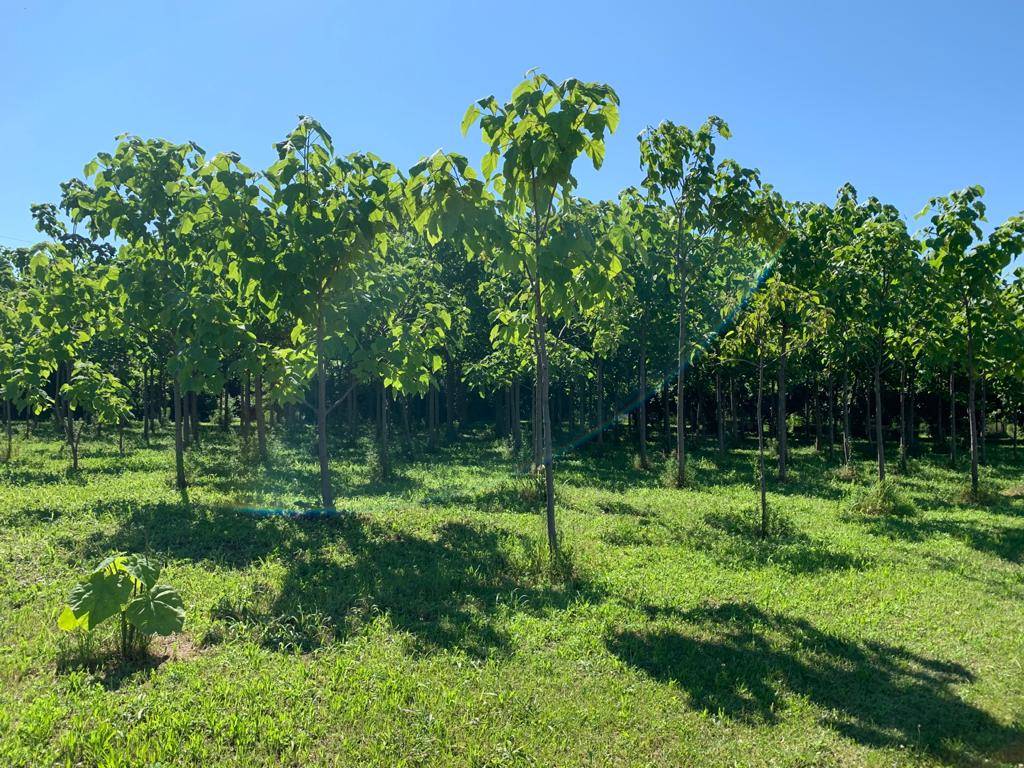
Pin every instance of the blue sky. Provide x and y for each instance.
(904, 99)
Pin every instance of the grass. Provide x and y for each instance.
(425, 626)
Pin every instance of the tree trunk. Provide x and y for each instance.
(194, 405)
(879, 436)
(952, 418)
(904, 422)
(732, 411)
(179, 439)
(817, 416)
(432, 418)
(406, 428)
(681, 381)
(760, 449)
(326, 494)
(384, 456)
(831, 420)
(7, 429)
(720, 412)
(261, 423)
(972, 416)
(982, 421)
(146, 409)
(665, 436)
(781, 407)
(599, 401)
(642, 410)
(847, 437)
(517, 427)
(120, 436)
(545, 417)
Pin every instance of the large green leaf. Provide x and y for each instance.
(96, 599)
(160, 611)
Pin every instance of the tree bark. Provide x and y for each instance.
(642, 410)
(879, 436)
(904, 423)
(972, 417)
(781, 407)
(847, 446)
(179, 438)
(599, 401)
(720, 412)
(760, 449)
(326, 494)
(261, 423)
(681, 379)
(952, 417)
(517, 427)
(545, 416)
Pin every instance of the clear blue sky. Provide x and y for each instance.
(905, 99)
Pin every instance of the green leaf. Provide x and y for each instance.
(98, 598)
(469, 118)
(159, 611)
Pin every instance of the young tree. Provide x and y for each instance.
(970, 267)
(333, 215)
(707, 199)
(538, 134)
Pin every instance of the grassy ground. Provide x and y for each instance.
(424, 626)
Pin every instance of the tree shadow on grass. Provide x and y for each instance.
(223, 537)
(734, 539)
(1003, 541)
(742, 662)
(446, 589)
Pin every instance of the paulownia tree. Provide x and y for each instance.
(537, 135)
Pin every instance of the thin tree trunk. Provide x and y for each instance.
(732, 410)
(879, 437)
(261, 423)
(681, 380)
(384, 456)
(904, 423)
(599, 401)
(517, 426)
(545, 417)
(665, 419)
(642, 411)
(146, 409)
(7, 429)
(326, 494)
(781, 408)
(972, 415)
(179, 438)
(831, 419)
(952, 418)
(194, 404)
(817, 416)
(982, 421)
(720, 412)
(847, 437)
(760, 449)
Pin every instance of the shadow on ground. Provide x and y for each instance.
(742, 662)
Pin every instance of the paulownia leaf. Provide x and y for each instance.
(160, 611)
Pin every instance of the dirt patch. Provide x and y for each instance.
(177, 647)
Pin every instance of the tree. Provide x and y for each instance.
(538, 134)
(333, 215)
(970, 267)
(707, 199)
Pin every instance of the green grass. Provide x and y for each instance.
(425, 626)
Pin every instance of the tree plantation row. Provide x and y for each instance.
(331, 286)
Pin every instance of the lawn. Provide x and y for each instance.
(424, 625)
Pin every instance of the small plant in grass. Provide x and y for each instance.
(880, 500)
(125, 586)
(847, 473)
(668, 477)
(985, 493)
